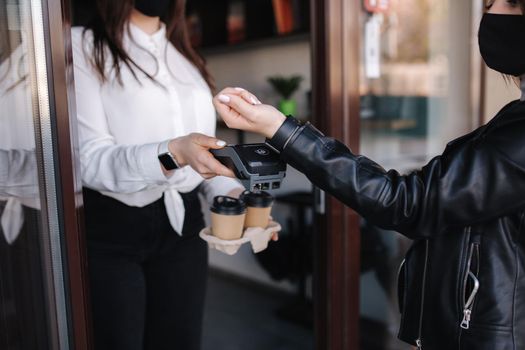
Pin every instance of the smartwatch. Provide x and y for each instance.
(167, 159)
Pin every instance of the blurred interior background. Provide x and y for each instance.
(421, 84)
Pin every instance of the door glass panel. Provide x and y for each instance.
(27, 285)
(418, 91)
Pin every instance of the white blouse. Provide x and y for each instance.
(18, 173)
(122, 126)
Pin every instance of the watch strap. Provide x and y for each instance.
(164, 151)
(164, 147)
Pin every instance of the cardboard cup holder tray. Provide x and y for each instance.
(258, 237)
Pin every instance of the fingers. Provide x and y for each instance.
(231, 117)
(275, 236)
(227, 113)
(202, 161)
(223, 172)
(239, 104)
(225, 95)
(249, 97)
(210, 165)
(228, 173)
(208, 176)
(207, 141)
(231, 91)
(245, 94)
(216, 167)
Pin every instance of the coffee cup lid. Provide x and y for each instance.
(228, 206)
(259, 199)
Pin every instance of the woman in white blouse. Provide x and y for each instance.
(144, 107)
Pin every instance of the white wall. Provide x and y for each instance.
(249, 69)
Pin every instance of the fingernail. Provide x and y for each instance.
(239, 89)
(254, 101)
(224, 98)
(221, 143)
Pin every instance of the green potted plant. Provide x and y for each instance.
(286, 87)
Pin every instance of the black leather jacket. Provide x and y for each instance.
(465, 212)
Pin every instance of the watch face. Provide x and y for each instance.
(167, 161)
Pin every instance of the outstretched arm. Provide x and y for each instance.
(475, 179)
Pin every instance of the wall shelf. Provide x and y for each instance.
(224, 26)
(255, 44)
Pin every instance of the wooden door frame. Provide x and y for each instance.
(57, 22)
(335, 73)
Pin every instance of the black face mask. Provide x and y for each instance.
(153, 8)
(502, 43)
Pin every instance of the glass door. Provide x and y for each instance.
(35, 310)
(419, 89)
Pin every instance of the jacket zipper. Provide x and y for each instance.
(419, 342)
(401, 293)
(468, 303)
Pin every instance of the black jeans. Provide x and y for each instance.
(147, 283)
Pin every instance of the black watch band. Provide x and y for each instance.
(167, 159)
(284, 133)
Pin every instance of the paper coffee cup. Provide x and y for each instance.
(227, 217)
(259, 208)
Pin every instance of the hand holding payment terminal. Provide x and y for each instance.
(257, 165)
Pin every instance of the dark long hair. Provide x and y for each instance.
(109, 24)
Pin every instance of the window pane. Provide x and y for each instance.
(28, 276)
(416, 95)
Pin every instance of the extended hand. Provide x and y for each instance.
(193, 150)
(242, 110)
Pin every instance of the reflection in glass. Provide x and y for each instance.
(23, 322)
(415, 96)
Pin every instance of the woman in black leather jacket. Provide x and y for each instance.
(463, 282)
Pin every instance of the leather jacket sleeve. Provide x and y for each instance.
(480, 176)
